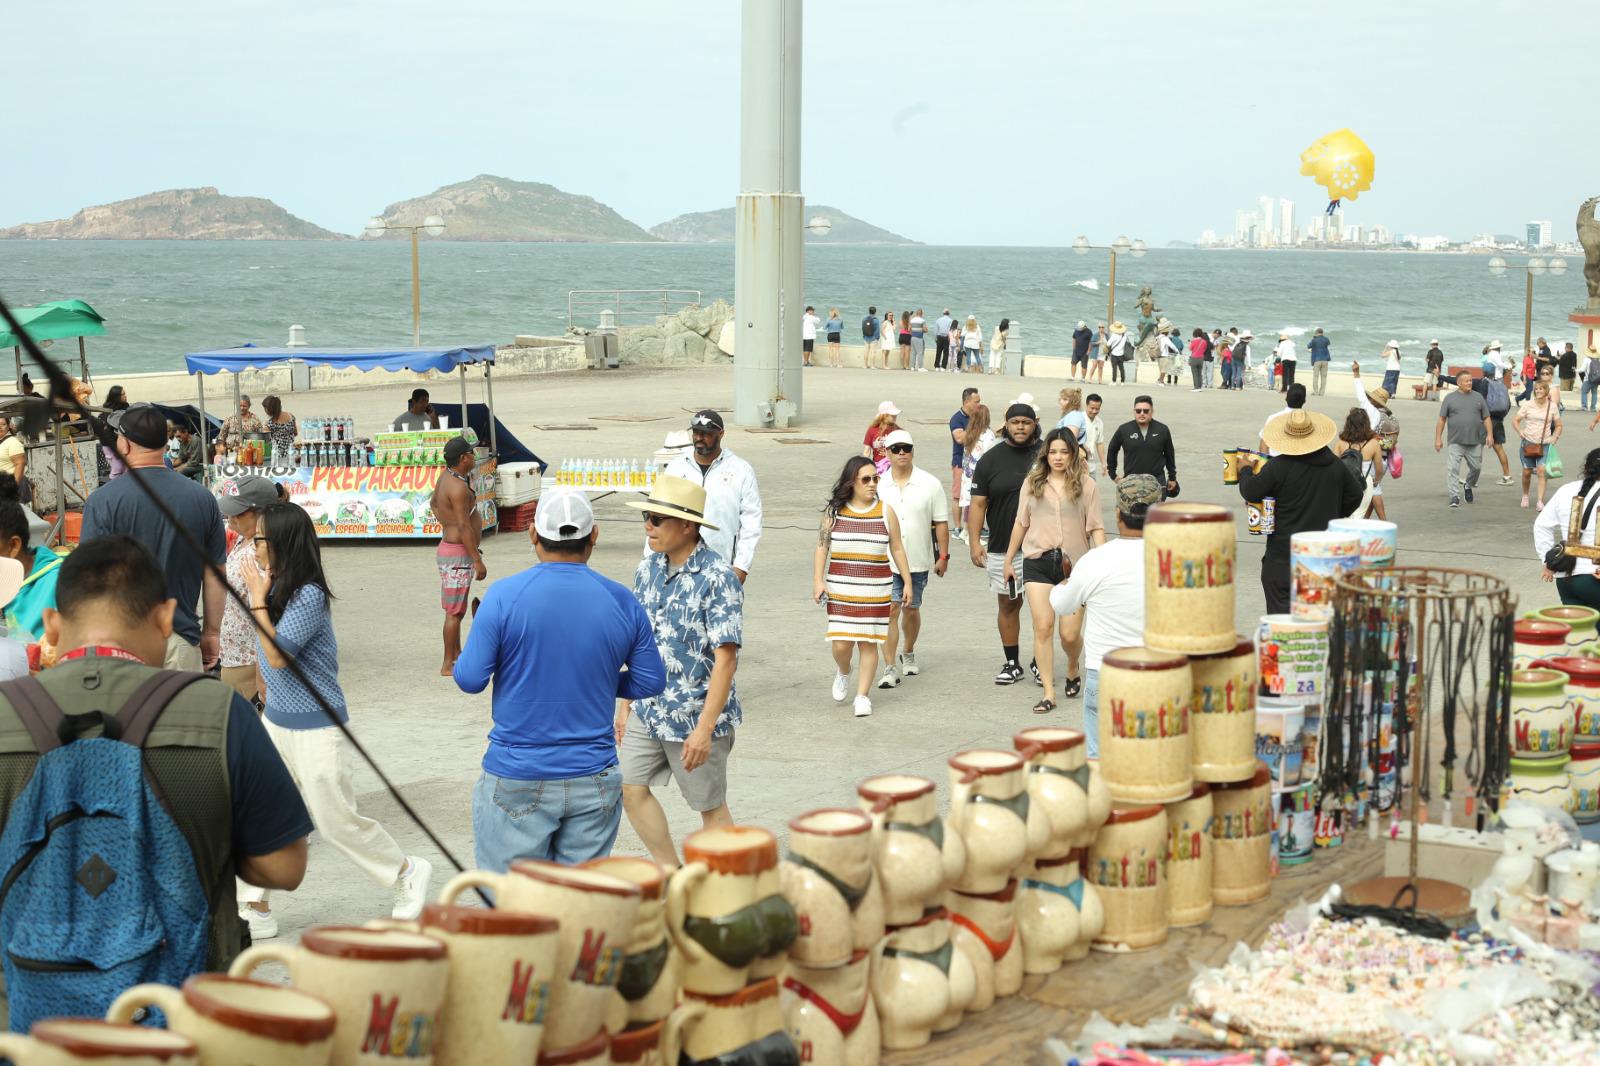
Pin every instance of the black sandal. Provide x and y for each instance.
(1072, 688)
(1044, 706)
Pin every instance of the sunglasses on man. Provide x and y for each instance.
(899, 449)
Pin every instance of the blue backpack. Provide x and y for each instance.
(99, 889)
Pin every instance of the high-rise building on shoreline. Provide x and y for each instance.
(1539, 234)
(1286, 233)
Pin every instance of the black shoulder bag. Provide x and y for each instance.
(1565, 555)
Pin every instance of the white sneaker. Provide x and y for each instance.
(411, 889)
(908, 663)
(263, 926)
(863, 707)
(890, 679)
(841, 687)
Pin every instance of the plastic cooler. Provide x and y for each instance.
(516, 483)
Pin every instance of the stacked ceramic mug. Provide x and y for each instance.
(1537, 766)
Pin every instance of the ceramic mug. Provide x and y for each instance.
(1059, 781)
(233, 1020)
(639, 1044)
(718, 912)
(828, 879)
(386, 986)
(84, 1041)
(829, 1012)
(1543, 718)
(745, 1027)
(595, 1051)
(985, 928)
(921, 983)
(648, 987)
(915, 854)
(1058, 913)
(1188, 578)
(596, 911)
(1146, 749)
(991, 809)
(502, 964)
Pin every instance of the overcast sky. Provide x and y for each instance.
(950, 121)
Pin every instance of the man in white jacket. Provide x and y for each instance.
(733, 500)
(1285, 354)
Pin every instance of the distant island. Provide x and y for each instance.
(490, 208)
(201, 214)
(717, 227)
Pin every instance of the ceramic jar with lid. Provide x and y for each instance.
(1189, 858)
(1144, 725)
(1582, 622)
(1222, 717)
(1584, 774)
(1188, 577)
(985, 928)
(990, 809)
(914, 854)
(1542, 782)
(1127, 864)
(1537, 638)
(1582, 690)
(1542, 721)
(828, 878)
(1241, 840)
(1059, 784)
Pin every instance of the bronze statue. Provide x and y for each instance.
(1147, 309)
(1589, 237)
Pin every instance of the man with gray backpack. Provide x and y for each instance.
(1496, 393)
(130, 798)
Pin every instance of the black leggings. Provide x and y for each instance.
(1197, 370)
(1287, 369)
(1118, 371)
(941, 352)
(1582, 589)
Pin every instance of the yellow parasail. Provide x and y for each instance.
(1340, 162)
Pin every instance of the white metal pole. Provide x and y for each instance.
(768, 236)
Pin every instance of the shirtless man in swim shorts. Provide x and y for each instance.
(460, 562)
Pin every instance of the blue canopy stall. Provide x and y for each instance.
(384, 495)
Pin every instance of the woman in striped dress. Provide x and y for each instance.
(851, 575)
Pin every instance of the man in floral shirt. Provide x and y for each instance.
(696, 608)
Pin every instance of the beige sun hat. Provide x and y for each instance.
(677, 497)
(1299, 432)
(1118, 327)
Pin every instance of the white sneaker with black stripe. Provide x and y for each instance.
(907, 661)
(1009, 674)
(890, 679)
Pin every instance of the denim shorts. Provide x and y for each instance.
(897, 587)
(1531, 462)
(569, 820)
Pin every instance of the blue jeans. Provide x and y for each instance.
(568, 821)
(1206, 370)
(1391, 381)
(1091, 711)
(1587, 395)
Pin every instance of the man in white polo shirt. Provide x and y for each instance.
(923, 510)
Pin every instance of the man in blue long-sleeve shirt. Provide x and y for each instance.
(555, 639)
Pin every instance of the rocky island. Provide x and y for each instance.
(201, 214)
(715, 227)
(490, 208)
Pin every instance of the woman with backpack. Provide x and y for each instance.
(1577, 585)
(1360, 448)
(289, 598)
(1538, 423)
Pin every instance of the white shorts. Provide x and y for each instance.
(995, 565)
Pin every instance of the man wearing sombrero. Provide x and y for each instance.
(696, 607)
(1311, 488)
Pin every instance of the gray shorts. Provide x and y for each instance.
(995, 565)
(651, 762)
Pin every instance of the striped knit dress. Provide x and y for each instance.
(858, 577)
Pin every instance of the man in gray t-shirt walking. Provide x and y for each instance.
(1466, 415)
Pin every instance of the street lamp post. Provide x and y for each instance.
(433, 225)
(1556, 266)
(1120, 246)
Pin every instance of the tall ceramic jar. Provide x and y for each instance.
(915, 856)
(828, 878)
(1542, 782)
(1144, 725)
(1058, 783)
(1128, 865)
(985, 927)
(1189, 858)
(1241, 838)
(1542, 720)
(1222, 718)
(1582, 691)
(989, 807)
(1582, 622)
(1537, 638)
(1584, 775)
(1188, 578)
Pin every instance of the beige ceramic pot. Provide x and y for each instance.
(749, 1022)
(596, 1051)
(386, 987)
(985, 927)
(1582, 692)
(911, 984)
(1222, 716)
(829, 1014)
(86, 1042)
(648, 987)
(1127, 865)
(1188, 579)
(1543, 718)
(1241, 838)
(1583, 623)
(502, 965)
(596, 911)
(990, 808)
(639, 1045)
(724, 908)
(1189, 859)
(1144, 725)
(1538, 638)
(1059, 781)
(233, 1020)
(829, 881)
(915, 854)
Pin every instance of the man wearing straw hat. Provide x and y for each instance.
(1311, 488)
(696, 607)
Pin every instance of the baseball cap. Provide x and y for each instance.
(707, 419)
(248, 493)
(563, 514)
(454, 449)
(142, 424)
(899, 436)
(1135, 489)
(887, 407)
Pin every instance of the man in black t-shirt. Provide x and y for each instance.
(996, 484)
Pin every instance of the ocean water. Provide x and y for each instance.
(161, 299)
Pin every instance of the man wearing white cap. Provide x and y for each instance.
(1391, 367)
(554, 639)
(919, 503)
(733, 499)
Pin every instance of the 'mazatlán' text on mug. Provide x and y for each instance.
(1212, 570)
(396, 1035)
(1169, 719)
